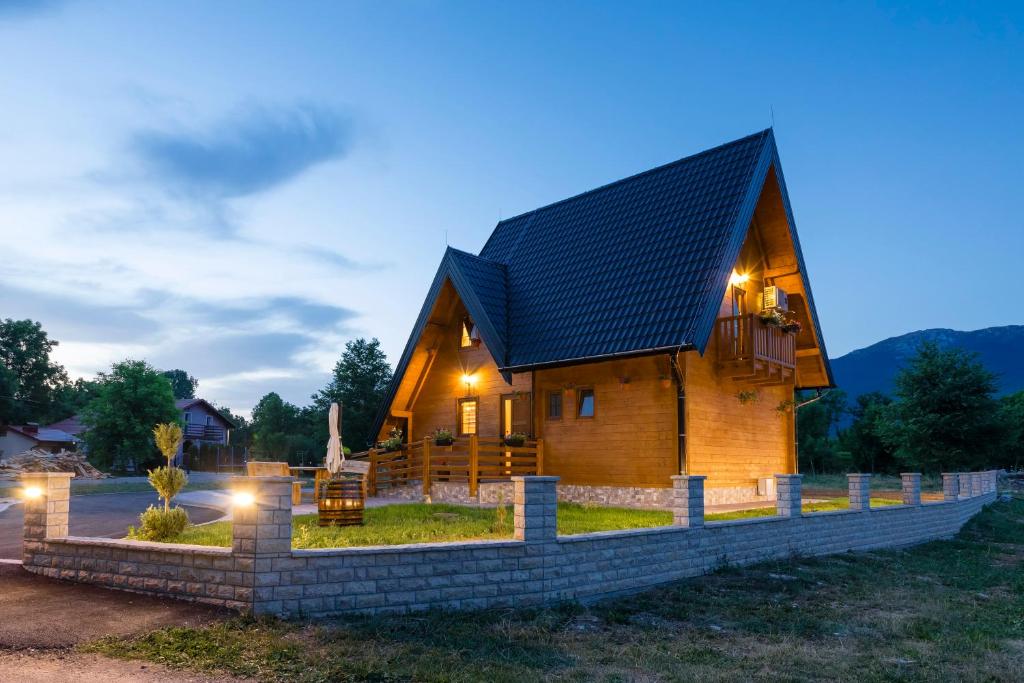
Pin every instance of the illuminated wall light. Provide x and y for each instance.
(243, 499)
(737, 278)
(32, 492)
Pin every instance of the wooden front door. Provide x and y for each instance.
(516, 414)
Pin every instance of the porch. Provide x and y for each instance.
(470, 460)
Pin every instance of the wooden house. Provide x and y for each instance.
(653, 326)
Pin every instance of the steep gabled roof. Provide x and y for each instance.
(637, 266)
(481, 286)
(631, 266)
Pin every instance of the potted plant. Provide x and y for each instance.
(443, 437)
(784, 320)
(515, 439)
(394, 440)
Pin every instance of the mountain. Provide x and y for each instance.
(873, 368)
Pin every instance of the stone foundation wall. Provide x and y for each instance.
(262, 574)
(615, 496)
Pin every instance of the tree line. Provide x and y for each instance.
(121, 407)
(944, 416)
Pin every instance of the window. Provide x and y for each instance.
(188, 417)
(467, 412)
(470, 335)
(585, 403)
(209, 420)
(554, 405)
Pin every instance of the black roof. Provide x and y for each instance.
(636, 266)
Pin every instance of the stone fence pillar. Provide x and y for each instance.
(950, 486)
(911, 488)
(47, 499)
(536, 508)
(262, 516)
(788, 501)
(976, 483)
(688, 500)
(860, 491)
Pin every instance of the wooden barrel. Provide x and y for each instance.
(341, 502)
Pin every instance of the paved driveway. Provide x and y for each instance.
(101, 514)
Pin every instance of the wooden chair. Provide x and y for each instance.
(255, 468)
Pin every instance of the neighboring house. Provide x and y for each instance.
(202, 423)
(18, 439)
(623, 326)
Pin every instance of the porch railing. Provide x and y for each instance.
(473, 460)
(746, 338)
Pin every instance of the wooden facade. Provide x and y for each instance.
(726, 413)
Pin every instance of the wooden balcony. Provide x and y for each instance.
(752, 352)
(200, 432)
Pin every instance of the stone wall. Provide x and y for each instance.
(262, 574)
(616, 496)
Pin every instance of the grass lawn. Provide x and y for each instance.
(423, 523)
(943, 611)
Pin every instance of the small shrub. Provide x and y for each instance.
(159, 525)
(168, 482)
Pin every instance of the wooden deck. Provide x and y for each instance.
(473, 460)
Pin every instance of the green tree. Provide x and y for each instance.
(1011, 416)
(25, 352)
(273, 421)
(358, 384)
(183, 384)
(816, 423)
(863, 439)
(241, 435)
(71, 398)
(132, 398)
(946, 416)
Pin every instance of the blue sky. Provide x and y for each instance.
(236, 188)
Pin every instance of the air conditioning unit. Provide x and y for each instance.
(775, 297)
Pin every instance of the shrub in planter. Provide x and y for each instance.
(159, 525)
(516, 439)
(394, 443)
(443, 437)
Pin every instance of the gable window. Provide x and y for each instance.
(585, 403)
(188, 417)
(554, 405)
(470, 335)
(467, 414)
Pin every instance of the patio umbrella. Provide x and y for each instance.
(335, 453)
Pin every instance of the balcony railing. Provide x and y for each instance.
(200, 432)
(748, 349)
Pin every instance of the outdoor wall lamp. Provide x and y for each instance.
(469, 381)
(243, 499)
(32, 492)
(738, 279)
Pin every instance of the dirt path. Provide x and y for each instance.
(51, 666)
(41, 620)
